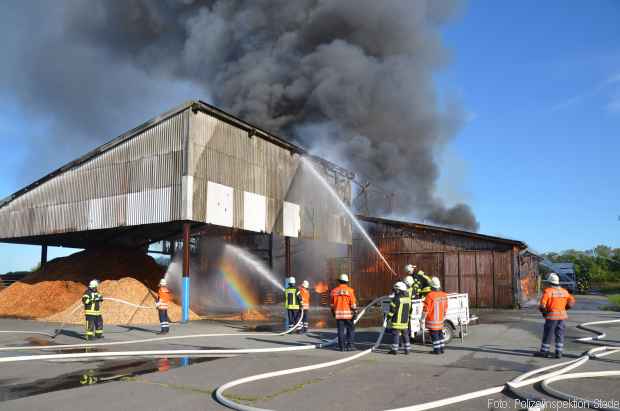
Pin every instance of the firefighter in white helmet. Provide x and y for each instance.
(304, 292)
(164, 297)
(409, 283)
(344, 308)
(399, 317)
(92, 301)
(553, 305)
(292, 302)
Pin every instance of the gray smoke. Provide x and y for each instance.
(352, 80)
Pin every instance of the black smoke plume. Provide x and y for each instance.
(350, 79)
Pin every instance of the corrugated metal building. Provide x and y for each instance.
(195, 163)
(486, 267)
(192, 170)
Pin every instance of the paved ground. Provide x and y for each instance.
(497, 349)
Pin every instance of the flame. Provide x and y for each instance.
(254, 314)
(321, 324)
(321, 287)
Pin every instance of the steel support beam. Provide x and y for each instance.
(186, 268)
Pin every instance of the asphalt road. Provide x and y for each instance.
(496, 350)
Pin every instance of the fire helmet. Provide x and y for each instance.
(435, 283)
(344, 278)
(409, 280)
(410, 268)
(400, 286)
(163, 282)
(305, 284)
(291, 280)
(93, 284)
(553, 279)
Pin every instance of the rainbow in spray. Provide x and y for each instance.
(238, 288)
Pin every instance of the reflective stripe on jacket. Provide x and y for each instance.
(554, 302)
(343, 302)
(435, 307)
(421, 285)
(400, 312)
(291, 298)
(305, 298)
(164, 297)
(92, 302)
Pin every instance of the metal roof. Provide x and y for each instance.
(418, 226)
(193, 163)
(195, 105)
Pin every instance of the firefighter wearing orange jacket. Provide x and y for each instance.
(344, 308)
(305, 304)
(435, 307)
(164, 297)
(553, 305)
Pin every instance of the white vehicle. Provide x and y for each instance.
(457, 317)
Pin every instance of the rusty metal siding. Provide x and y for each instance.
(225, 154)
(150, 160)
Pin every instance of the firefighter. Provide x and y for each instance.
(164, 297)
(399, 317)
(421, 284)
(344, 307)
(553, 305)
(92, 300)
(292, 299)
(305, 304)
(409, 283)
(435, 307)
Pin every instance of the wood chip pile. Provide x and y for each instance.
(51, 294)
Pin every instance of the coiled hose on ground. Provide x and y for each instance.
(545, 375)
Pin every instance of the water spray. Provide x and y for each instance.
(347, 210)
(255, 263)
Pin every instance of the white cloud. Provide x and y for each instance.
(614, 105)
(611, 81)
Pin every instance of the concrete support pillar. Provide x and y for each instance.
(186, 268)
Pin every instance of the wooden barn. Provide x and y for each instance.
(495, 272)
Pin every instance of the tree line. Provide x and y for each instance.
(598, 266)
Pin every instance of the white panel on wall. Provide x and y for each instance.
(291, 224)
(219, 204)
(187, 190)
(254, 212)
(149, 207)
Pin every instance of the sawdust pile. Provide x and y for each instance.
(53, 293)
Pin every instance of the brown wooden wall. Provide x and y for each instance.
(485, 275)
(486, 270)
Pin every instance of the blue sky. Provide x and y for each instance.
(538, 156)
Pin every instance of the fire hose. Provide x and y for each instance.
(140, 341)
(162, 353)
(543, 375)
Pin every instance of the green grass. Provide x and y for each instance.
(607, 288)
(614, 303)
